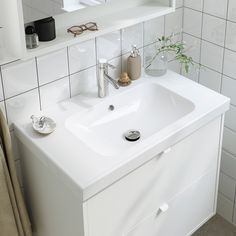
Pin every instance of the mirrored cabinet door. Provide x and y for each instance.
(39, 9)
(12, 42)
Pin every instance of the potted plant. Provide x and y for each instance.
(157, 64)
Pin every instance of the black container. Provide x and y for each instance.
(45, 29)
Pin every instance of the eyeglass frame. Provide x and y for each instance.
(83, 28)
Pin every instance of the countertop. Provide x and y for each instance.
(87, 171)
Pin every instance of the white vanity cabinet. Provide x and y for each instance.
(171, 195)
(163, 185)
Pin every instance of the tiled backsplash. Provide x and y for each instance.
(211, 26)
(33, 85)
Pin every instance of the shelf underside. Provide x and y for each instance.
(107, 23)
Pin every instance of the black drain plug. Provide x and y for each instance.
(132, 135)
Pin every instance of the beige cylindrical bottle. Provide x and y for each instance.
(134, 64)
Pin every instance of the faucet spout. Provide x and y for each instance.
(112, 81)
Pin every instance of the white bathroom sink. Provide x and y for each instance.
(88, 148)
(146, 108)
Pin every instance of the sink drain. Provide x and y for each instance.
(132, 135)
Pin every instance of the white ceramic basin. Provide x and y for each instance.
(147, 108)
(88, 150)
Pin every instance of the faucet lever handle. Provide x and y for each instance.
(111, 66)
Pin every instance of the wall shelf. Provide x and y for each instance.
(111, 16)
(107, 23)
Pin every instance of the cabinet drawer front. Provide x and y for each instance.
(186, 211)
(122, 205)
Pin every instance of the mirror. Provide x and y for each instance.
(38, 9)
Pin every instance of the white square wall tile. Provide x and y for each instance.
(52, 66)
(109, 45)
(116, 72)
(231, 36)
(132, 35)
(83, 81)
(148, 53)
(54, 92)
(210, 79)
(230, 118)
(194, 4)
(174, 66)
(228, 88)
(193, 74)
(1, 89)
(213, 29)
(19, 77)
(192, 22)
(82, 56)
(229, 140)
(153, 29)
(22, 106)
(193, 46)
(216, 7)
(179, 3)
(212, 56)
(174, 22)
(229, 63)
(227, 186)
(176, 38)
(232, 10)
(225, 207)
(228, 164)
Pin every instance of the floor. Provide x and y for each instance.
(217, 226)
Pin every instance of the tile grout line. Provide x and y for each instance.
(215, 45)
(96, 54)
(143, 38)
(230, 129)
(121, 42)
(68, 68)
(224, 195)
(182, 34)
(221, 18)
(143, 65)
(233, 213)
(227, 175)
(39, 93)
(200, 52)
(228, 152)
(224, 49)
(4, 96)
(220, 46)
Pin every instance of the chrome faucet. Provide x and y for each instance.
(104, 78)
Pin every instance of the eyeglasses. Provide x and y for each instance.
(77, 30)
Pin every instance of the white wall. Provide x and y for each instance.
(211, 26)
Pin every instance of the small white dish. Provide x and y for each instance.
(43, 124)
